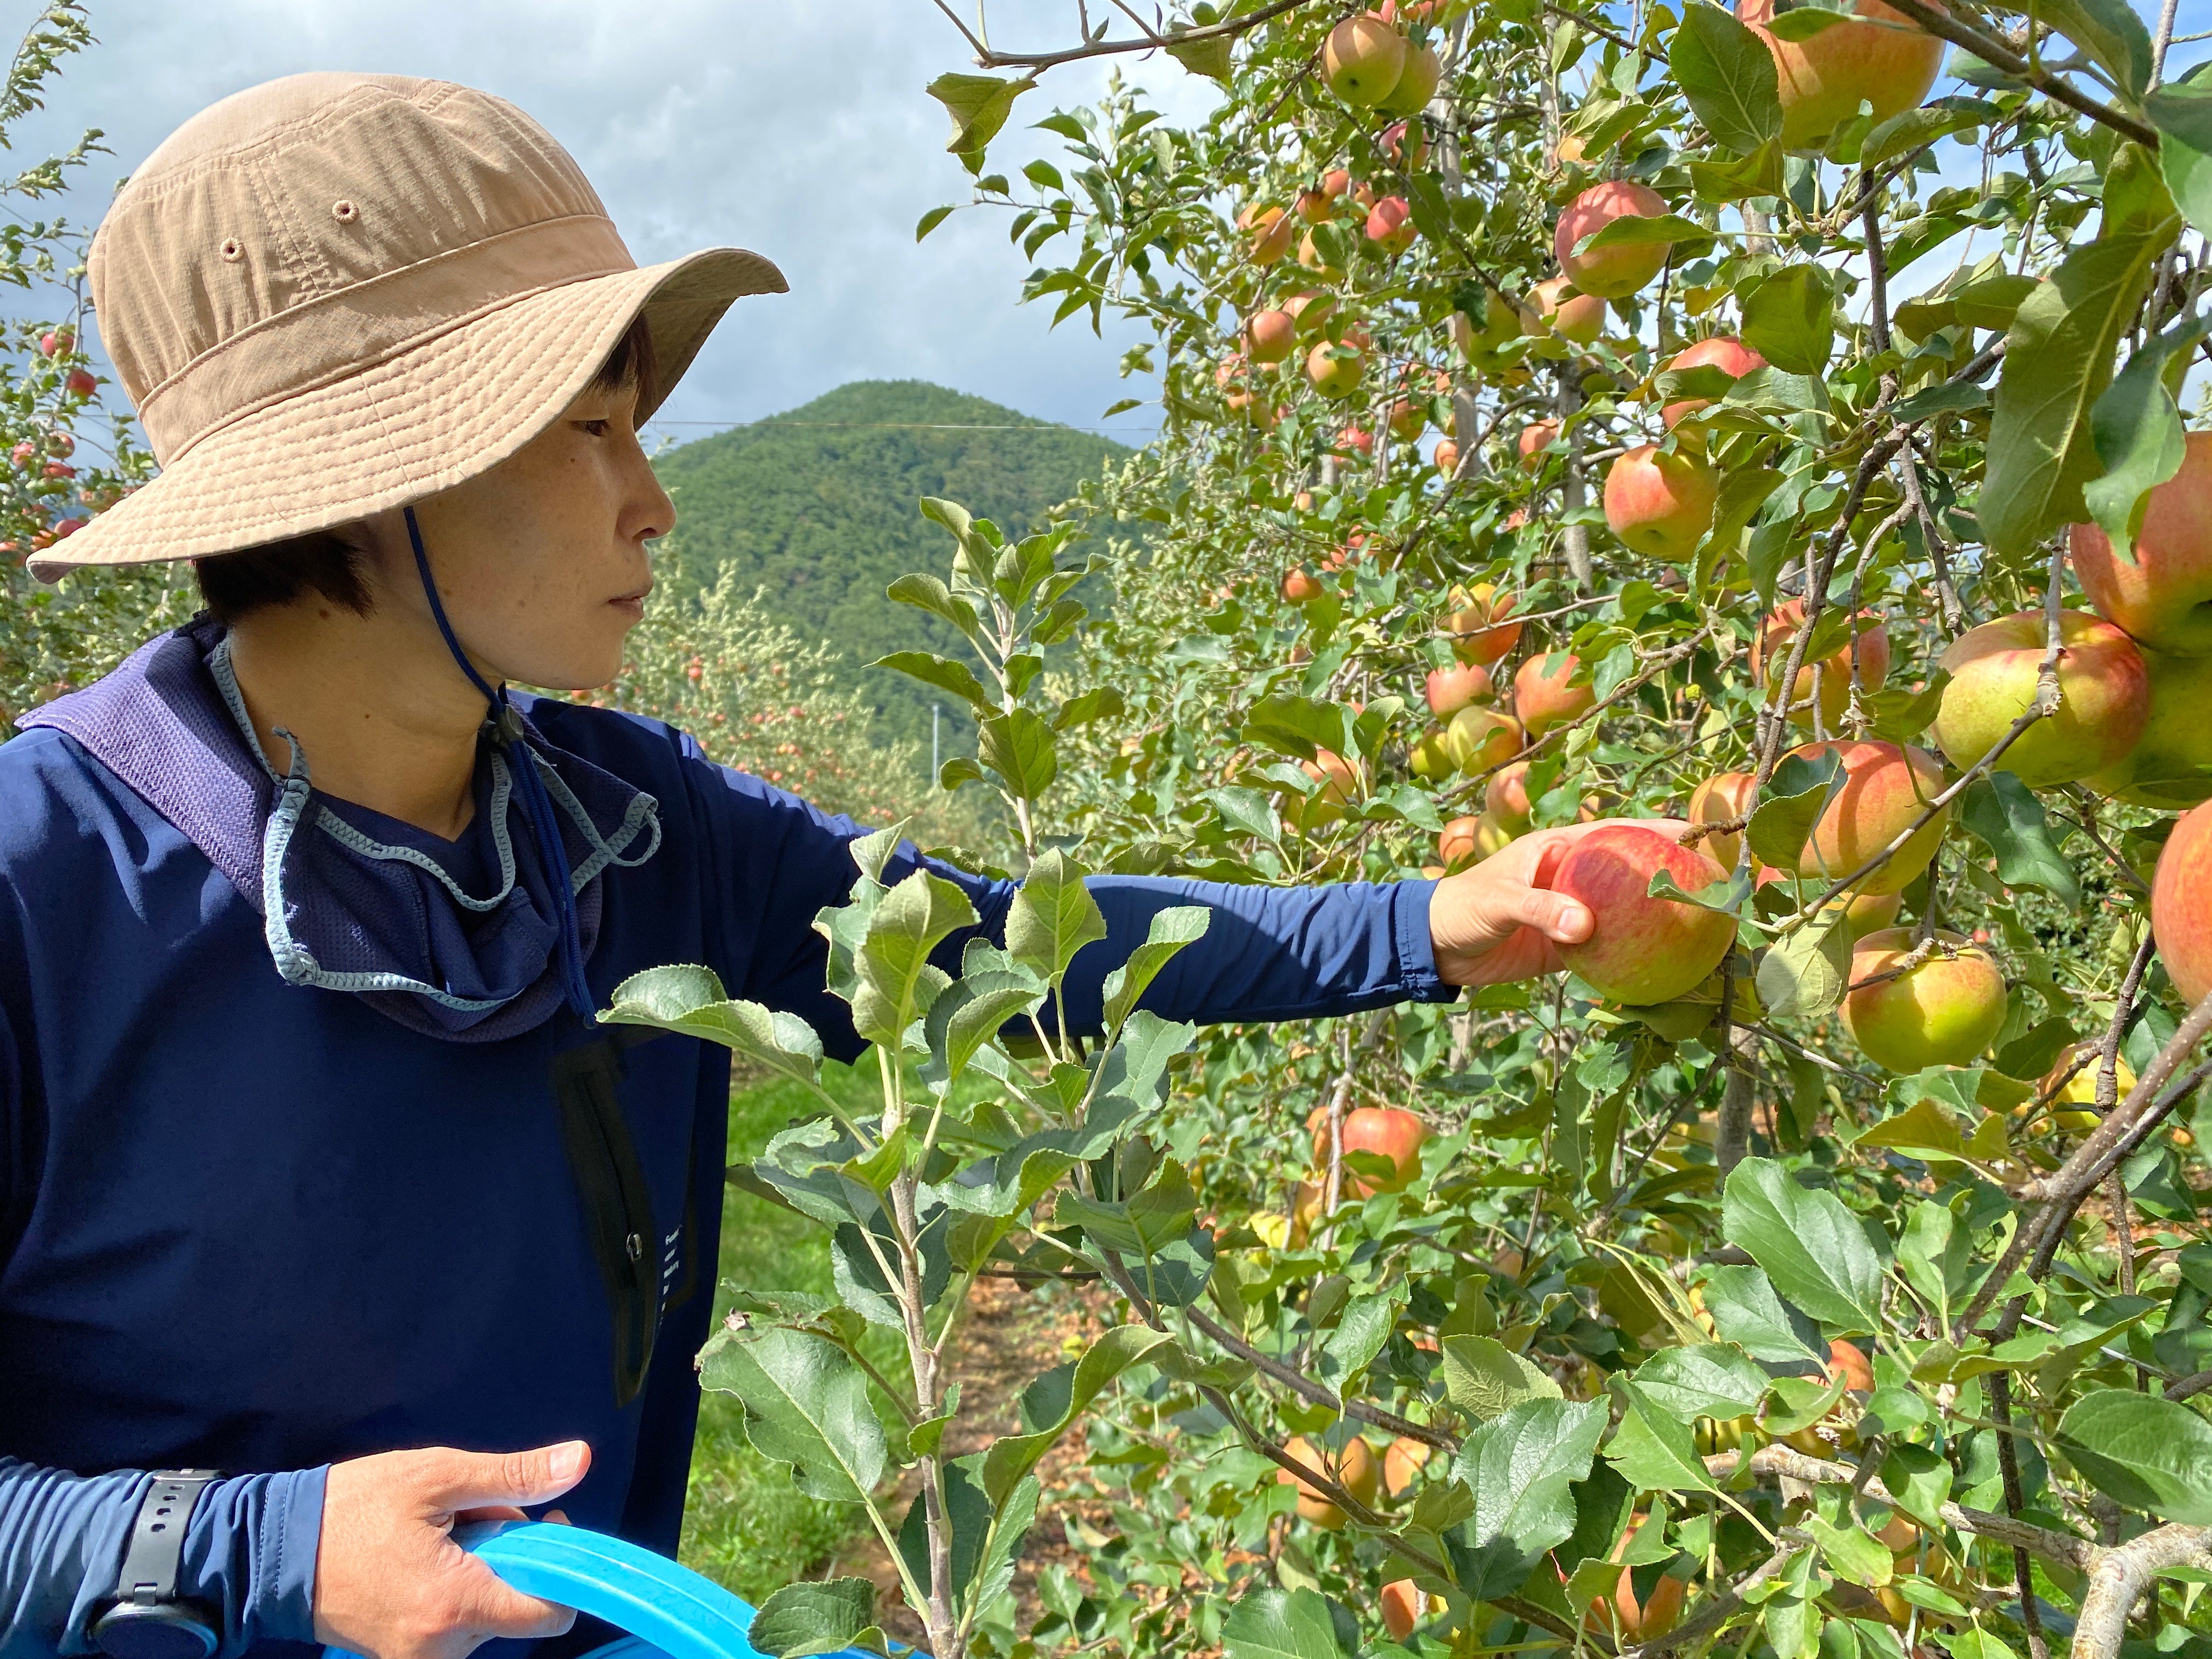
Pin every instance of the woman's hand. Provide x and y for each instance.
(390, 1581)
(1499, 920)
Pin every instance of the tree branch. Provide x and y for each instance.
(988, 58)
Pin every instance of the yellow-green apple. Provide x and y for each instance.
(1481, 339)
(1660, 505)
(1362, 60)
(1403, 1460)
(1719, 799)
(1270, 336)
(1868, 913)
(2164, 597)
(1724, 352)
(1450, 689)
(1885, 788)
(1446, 458)
(1536, 438)
(2104, 697)
(1301, 586)
(1869, 662)
(1478, 626)
(1641, 950)
(1457, 843)
(1356, 1469)
(1315, 205)
(1391, 1132)
(1612, 271)
(1943, 1010)
(1568, 313)
(1417, 83)
(2171, 765)
(1390, 225)
(1542, 698)
(1339, 782)
(1335, 371)
(2181, 905)
(1478, 739)
(1430, 758)
(1490, 836)
(1886, 60)
(1506, 797)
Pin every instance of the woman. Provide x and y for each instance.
(313, 1168)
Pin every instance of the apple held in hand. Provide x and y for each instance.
(1865, 660)
(1658, 504)
(1724, 352)
(1886, 61)
(1355, 1468)
(1390, 1132)
(2181, 905)
(1542, 698)
(1641, 950)
(1450, 689)
(1478, 739)
(1885, 789)
(1944, 1011)
(1719, 799)
(2163, 598)
(2171, 765)
(1612, 271)
(1478, 626)
(1363, 59)
(2104, 697)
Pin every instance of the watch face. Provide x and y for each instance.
(161, 1632)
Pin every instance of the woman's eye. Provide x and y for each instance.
(596, 428)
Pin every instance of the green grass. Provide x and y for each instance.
(745, 1525)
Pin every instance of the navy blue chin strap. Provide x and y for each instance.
(529, 792)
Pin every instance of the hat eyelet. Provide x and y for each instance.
(344, 212)
(233, 250)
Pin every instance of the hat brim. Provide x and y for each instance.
(423, 419)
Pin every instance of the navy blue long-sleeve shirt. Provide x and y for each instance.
(258, 1228)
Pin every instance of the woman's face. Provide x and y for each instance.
(541, 563)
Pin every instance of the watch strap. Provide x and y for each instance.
(156, 1551)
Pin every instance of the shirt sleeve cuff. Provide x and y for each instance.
(250, 1552)
(1417, 951)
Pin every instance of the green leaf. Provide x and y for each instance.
(1804, 22)
(1052, 916)
(1747, 1311)
(1811, 1247)
(1919, 1481)
(1171, 930)
(931, 220)
(2183, 115)
(1640, 230)
(1101, 702)
(1351, 1348)
(1728, 74)
(1050, 1404)
(1653, 1449)
(1298, 726)
(2110, 32)
(806, 1404)
(943, 673)
(1714, 1379)
(1790, 319)
(2059, 361)
(2136, 426)
(964, 1016)
(1795, 797)
(1295, 1624)
(2145, 1452)
(1804, 974)
(689, 999)
(1852, 1553)
(816, 1616)
(1018, 746)
(927, 593)
(1910, 129)
(897, 979)
(970, 1519)
(1485, 1379)
(1520, 1467)
(2002, 810)
(979, 106)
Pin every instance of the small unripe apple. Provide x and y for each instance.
(1642, 949)
(1866, 658)
(1660, 505)
(1478, 739)
(2104, 697)
(1478, 626)
(1724, 352)
(2181, 905)
(1943, 1011)
(1612, 271)
(1568, 313)
(1542, 698)
(2171, 765)
(1450, 689)
(1885, 789)
(1363, 59)
(1270, 336)
(1719, 799)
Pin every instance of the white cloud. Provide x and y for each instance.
(799, 129)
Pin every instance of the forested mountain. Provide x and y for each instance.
(819, 507)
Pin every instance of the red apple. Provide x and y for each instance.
(1718, 799)
(1478, 739)
(1643, 950)
(1363, 59)
(1456, 844)
(1340, 783)
(1478, 626)
(79, 383)
(1944, 1011)
(1536, 438)
(1610, 271)
(1270, 336)
(1390, 225)
(1505, 799)
(1446, 458)
(1568, 313)
(2181, 905)
(1885, 789)
(1403, 1460)
(2164, 598)
(1769, 654)
(1356, 440)
(55, 342)
(1724, 352)
(1391, 1131)
(1886, 61)
(2104, 697)
(1355, 1468)
(1660, 505)
(2171, 765)
(1392, 144)
(1542, 698)
(1301, 586)
(1408, 420)
(1450, 689)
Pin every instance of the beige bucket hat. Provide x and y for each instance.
(333, 294)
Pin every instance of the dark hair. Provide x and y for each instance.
(330, 562)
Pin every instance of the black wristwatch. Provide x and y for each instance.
(147, 1620)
